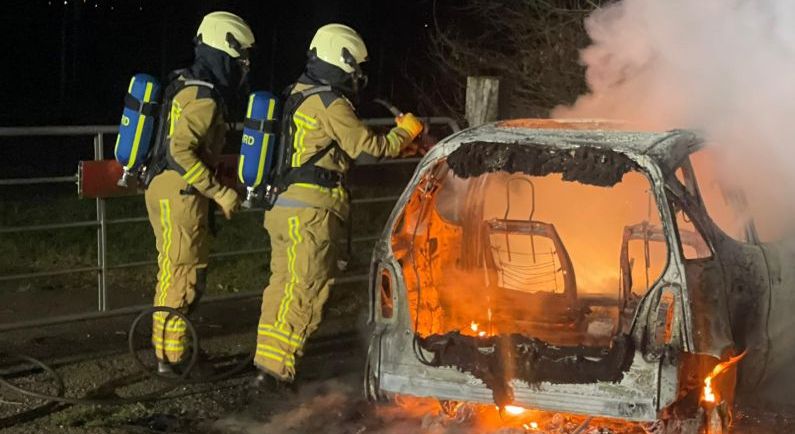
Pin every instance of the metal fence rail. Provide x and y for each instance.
(101, 222)
(131, 310)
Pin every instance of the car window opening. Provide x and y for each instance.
(561, 261)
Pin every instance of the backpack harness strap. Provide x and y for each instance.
(307, 172)
(266, 126)
(161, 157)
(146, 108)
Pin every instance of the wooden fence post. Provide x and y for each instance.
(482, 100)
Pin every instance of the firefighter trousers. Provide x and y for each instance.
(303, 261)
(179, 222)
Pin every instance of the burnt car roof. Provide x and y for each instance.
(666, 148)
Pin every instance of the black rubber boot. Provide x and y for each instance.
(266, 381)
(165, 369)
(202, 369)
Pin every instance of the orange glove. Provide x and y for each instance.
(410, 123)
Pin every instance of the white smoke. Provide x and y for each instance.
(724, 67)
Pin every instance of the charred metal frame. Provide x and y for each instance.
(545, 230)
(560, 314)
(702, 293)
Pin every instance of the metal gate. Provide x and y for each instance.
(101, 222)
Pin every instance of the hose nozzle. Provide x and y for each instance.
(389, 106)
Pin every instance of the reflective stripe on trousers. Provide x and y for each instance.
(302, 261)
(179, 223)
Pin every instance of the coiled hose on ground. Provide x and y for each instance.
(172, 383)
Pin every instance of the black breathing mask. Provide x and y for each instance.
(358, 78)
(322, 72)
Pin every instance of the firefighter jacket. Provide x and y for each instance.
(196, 138)
(321, 120)
(179, 218)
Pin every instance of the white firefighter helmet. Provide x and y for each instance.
(340, 46)
(227, 32)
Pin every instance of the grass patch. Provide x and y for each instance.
(74, 248)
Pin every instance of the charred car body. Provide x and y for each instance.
(569, 267)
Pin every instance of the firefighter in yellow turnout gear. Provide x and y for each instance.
(306, 223)
(177, 197)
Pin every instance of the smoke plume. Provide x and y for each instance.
(723, 67)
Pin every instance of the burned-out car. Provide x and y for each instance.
(571, 267)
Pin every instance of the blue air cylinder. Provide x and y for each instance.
(258, 143)
(137, 124)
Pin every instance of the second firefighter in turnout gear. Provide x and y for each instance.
(179, 194)
(322, 134)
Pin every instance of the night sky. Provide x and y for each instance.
(68, 62)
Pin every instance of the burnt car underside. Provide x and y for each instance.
(657, 344)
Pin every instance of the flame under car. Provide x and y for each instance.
(563, 267)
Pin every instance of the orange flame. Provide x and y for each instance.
(474, 326)
(513, 410)
(709, 394)
(477, 417)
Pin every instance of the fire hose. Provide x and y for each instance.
(174, 383)
(396, 112)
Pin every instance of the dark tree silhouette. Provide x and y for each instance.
(531, 45)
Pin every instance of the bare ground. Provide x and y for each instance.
(92, 359)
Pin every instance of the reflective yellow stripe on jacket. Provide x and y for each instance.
(302, 123)
(335, 193)
(194, 172)
(176, 112)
